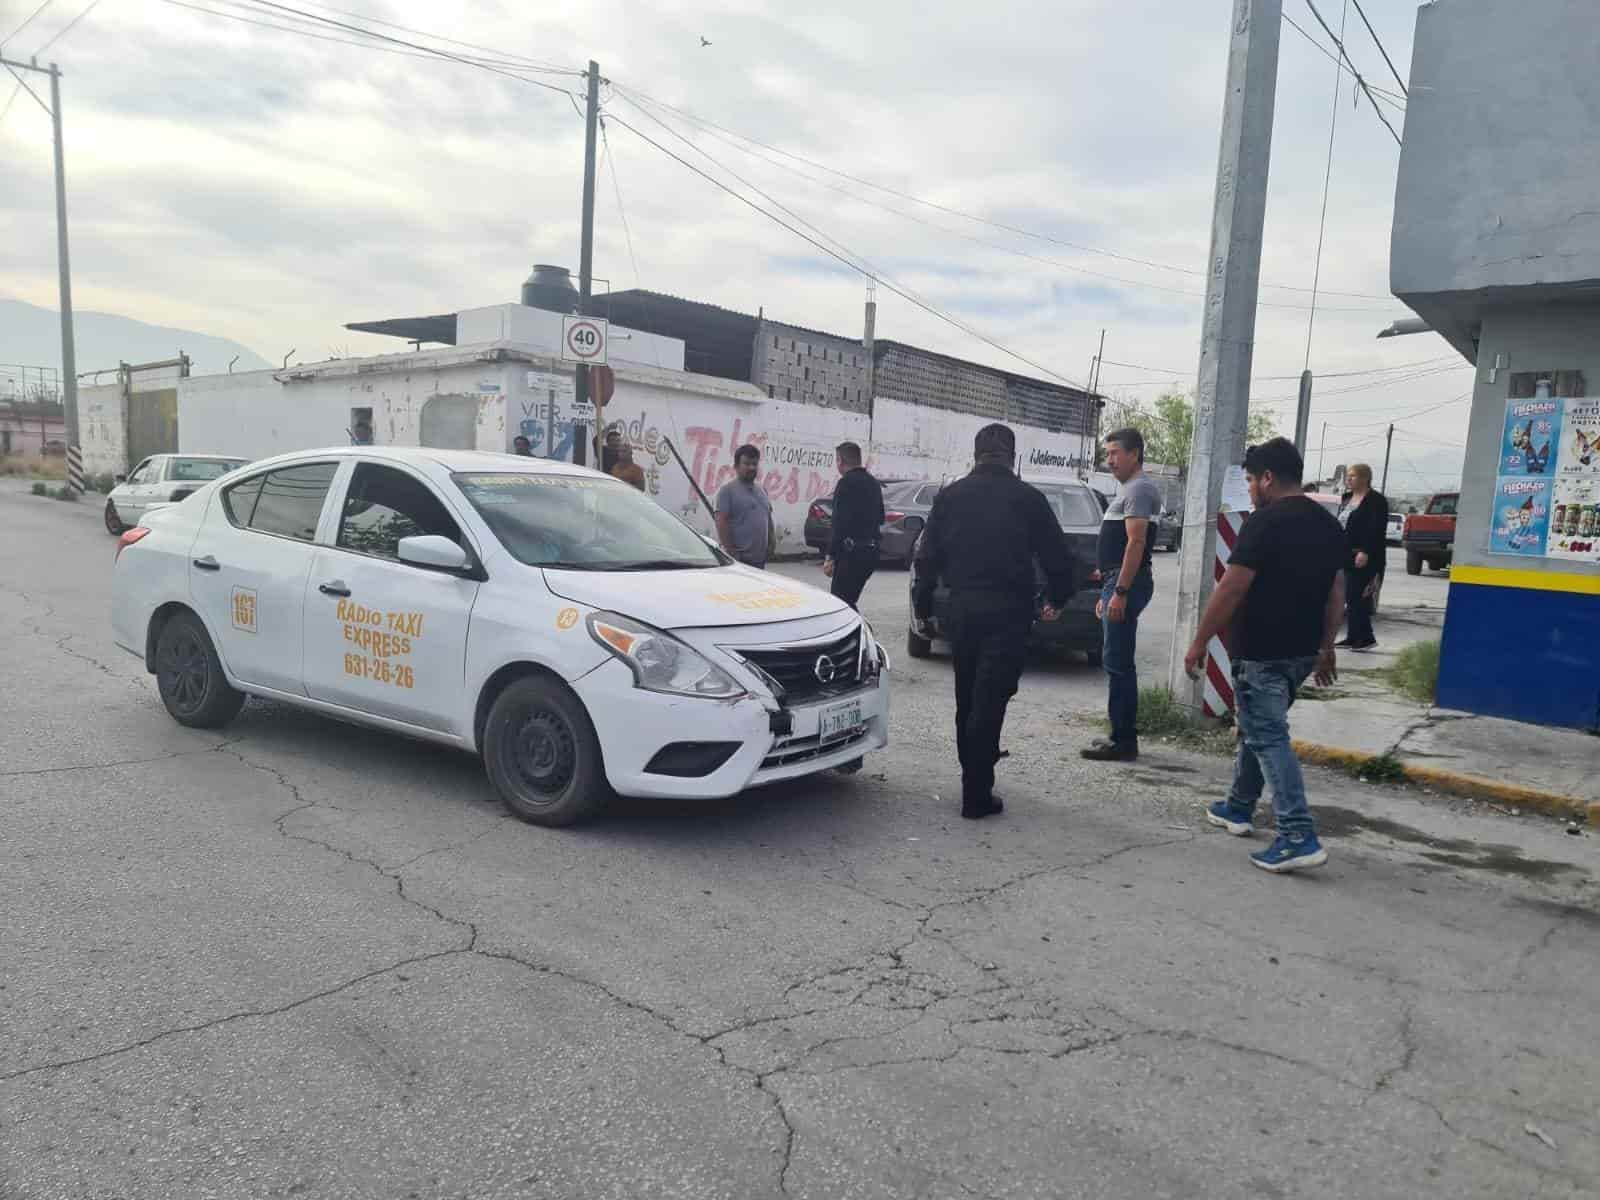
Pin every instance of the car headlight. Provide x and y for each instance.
(659, 661)
(874, 660)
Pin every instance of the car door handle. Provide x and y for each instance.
(208, 564)
(334, 587)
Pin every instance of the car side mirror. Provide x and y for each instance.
(435, 552)
(120, 478)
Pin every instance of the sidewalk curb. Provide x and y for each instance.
(1474, 787)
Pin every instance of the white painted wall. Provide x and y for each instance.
(260, 413)
(102, 429)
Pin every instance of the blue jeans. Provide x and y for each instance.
(1262, 694)
(1119, 641)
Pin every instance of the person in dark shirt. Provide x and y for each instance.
(1365, 518)
(1283, 596)
(982, 537)
(857, 515)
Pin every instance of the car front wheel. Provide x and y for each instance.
(542, 755)
(189, 676)
(114, 525)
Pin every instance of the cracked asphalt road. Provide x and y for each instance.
(301, 959)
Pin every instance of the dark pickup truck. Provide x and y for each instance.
(1430, 535)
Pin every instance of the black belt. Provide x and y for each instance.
(850, 546)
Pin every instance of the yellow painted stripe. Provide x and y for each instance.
(1540, 581)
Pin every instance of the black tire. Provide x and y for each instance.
(917, 646)
(189, 675)
(542, 755)
(1413, 562)
(114, 525)
(1438, 564)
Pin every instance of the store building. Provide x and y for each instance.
(1496, 245)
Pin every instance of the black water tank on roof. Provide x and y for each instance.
(551, 288)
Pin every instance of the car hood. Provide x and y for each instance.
(718, 596)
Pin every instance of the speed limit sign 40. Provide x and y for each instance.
(583, 339)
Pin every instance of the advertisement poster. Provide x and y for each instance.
(1580, 439)
(1528, 446)
(1575, 520)
(1521, 516)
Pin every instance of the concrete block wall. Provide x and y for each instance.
(806, 367)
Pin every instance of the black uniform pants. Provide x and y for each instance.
(988, 635)
(851, 570)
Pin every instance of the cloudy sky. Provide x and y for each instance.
(267, 186)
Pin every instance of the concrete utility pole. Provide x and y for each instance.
(1302, 416)
(1228, 334)
(586, 252)
(1322, 450)
(69, 356)
(1387, 446)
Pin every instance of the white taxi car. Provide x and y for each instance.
(554, 620)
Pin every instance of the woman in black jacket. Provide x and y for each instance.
(1365, 518)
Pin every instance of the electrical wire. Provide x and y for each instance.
(694, 119)
(1327, 181)
(27, 22)
(516, 59)
(1378, 42)
(1393, 100)
(1339, 42)
(384, 37)
(633, 99)
(876, 278)
(68, 27)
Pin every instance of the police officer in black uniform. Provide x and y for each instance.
(857, 516)
(982, 537)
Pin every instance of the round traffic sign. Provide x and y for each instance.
(586, 341)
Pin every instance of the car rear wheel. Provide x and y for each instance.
(114, 525)
(1413, 562)
(542, 755)
(918, 646)
(189, 676)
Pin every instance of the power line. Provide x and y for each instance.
(517, 59)
(1312, 5)
(1421, 362)
(69, 27)
(635, 95)
(1378, 42)
(29, 21)
(1327, 181)
(876, 278)
(1382, 93)
(384, 37)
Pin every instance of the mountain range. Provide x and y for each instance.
(31, 336)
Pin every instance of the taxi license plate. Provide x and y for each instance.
(837, 720)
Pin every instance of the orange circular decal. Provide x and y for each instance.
(566, 618)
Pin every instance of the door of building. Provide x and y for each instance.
(153, 424)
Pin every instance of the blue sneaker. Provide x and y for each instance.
(1288, 854)
(1225, 816)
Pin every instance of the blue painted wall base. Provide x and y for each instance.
(1523, 654)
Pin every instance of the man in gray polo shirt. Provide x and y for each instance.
(1126, 584)
(744, 513)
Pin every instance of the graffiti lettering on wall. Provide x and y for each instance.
(790, 473)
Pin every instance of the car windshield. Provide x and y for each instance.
(203, 470)
(583, 523)
(1072, 506)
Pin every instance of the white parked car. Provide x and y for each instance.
(160, 480)
(554, 620)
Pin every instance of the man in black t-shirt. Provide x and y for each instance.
(1283, 598)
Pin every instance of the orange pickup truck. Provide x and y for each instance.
(1430, 535)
